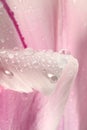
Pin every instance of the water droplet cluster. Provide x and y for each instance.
(48, 62)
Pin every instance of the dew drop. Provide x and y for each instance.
(15, 7)
(65, 51)
(21, 70)
(8, 73)
(11, 56)
(16, 49)
(53, 78)
(35, 64)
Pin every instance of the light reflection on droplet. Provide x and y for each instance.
(16, 49)
(8, 73)
(65, 51)
(11, 56)
(52, 78)
(21, 70)
(15, 7)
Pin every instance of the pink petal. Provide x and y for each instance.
(72, 26)
(38, 111)
(8, 34)
(75, 33)
(37, 21)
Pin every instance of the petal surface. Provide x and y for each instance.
(9, 38)
(75, 33)
(37, 21)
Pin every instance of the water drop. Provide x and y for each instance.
(15, 7)
(53, 78)
(8, 73)
(11, 56)
(16, 49)
(21, 70)
(65, 51)
(35, 64)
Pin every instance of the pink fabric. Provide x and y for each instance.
(60, 24)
